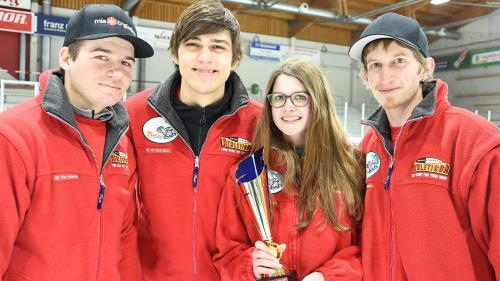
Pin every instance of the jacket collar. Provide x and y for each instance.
(55, 101)
(435, 100)
(161, 99)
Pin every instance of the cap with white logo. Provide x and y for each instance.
(97, 21)
(393, 26)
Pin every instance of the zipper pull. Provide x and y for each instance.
(203, 116)
(100, 199)
(196, 169)
(388, 178)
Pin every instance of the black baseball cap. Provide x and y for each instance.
(394, 26)
(97, 21)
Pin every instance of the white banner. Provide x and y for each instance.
(20, 4)
(277, 52)
(157, 38)
(312, 55)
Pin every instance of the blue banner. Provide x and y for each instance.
(51, 25)
(265, 51)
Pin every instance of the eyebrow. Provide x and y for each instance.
(108, 51)
(220, 41)
(402, 54)
(291, 93)
(100, 49)
(217, 41)
(399, 54)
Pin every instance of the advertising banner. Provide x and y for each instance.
(17, 21)
(265, 51)
(157, 38)
(18, 4)
(468, 59)
(50, 25)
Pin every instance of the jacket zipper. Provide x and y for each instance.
(195, 217)
(102, 186)
(392, 241)
(100, 200)
(386, 187)
(196, 171)
(203, 120)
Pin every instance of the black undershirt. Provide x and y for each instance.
(198, 120)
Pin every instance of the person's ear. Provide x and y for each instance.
(64, 58)
(235, 65)
(364, 78)
(174, 59)
(428, 69)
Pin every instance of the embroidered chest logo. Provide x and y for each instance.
(275, 181)
(119, 159)
(372, 164)
(431, 168)
(65, 177)
(158, 130)
(235, 144)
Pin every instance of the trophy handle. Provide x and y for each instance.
(275, 247)
(279, 274)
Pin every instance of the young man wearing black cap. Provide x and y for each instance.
(188, 132)
(67, 170)
(432, 170)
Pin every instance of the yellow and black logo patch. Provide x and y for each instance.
(431, 168)
(119, 157)
(235, 144)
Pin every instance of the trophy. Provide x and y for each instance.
(252, 181)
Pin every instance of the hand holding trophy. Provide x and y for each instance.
(252, 181)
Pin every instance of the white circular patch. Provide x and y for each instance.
(372, 164)
(275, 181)
(158, 130)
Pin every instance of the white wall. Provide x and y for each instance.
(480, 34)
(335, 63)
(341, 72)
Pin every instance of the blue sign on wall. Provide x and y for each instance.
(265, 51)
(50, 25)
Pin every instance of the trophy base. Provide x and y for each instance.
(276, 278)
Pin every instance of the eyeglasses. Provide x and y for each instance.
(298, 99)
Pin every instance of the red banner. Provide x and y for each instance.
(16, 21)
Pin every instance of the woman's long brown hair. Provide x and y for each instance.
(331, 165)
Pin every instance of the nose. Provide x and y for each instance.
(386, 74)
(205, 55)
(115, 70)
(288, 104)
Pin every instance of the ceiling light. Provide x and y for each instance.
(439, 2)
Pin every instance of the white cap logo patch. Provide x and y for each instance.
(275, 181)
(158, 130)
(372, 164)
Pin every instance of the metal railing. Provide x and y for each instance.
(362, 112)
(14, 91)
(347, 114)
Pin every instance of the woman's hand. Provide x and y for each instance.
(264, 260)
(315, 276)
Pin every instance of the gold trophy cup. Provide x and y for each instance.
(252, 181)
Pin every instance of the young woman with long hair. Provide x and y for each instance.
(315, 179)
